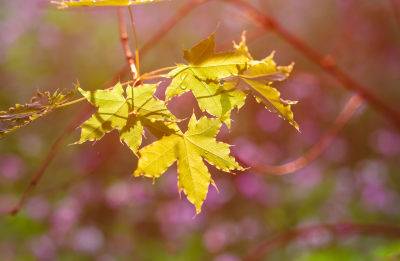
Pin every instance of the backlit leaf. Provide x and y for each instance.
(189, 150)
(272, 100)
(202, 76)
(127, 112)
(220, 82)
(258, 79)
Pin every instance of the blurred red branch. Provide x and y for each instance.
(339, 229)
(396, 11)
(49, 158)
(325, 62)
(352, 105)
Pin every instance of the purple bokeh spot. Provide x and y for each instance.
(307, 177)
(88, 239)
(253, 187)
(387, 143)
(43, 248)
(268, 121)
(37, 208)
(226, 257)
(12, 167)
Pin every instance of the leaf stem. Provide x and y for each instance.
(160, 70)
(70, 103)
(153, 77)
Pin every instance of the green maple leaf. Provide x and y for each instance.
(272, 100)
(39, 106)
(202, 76)
(127, 113)
(72, 3)
(189, 149)
(258, 79)
(221, 81)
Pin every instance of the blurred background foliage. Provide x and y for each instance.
(88, 208)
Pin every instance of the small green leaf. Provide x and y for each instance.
(189, 149)
(40, 105)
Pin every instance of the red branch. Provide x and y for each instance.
(49, 158)
(338, 229)
(396, 11)
(352, 105)
(325, 62)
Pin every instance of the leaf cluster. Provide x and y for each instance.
(220, 82)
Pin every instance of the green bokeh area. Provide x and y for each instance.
(87, 206)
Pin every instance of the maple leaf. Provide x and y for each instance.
(220, 82)
(202, 76)
(257, 79)
(128, 113)
(40, 105)
(189, 149)
(72, 3)
(271, 98)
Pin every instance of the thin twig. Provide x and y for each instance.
(158, 76)
(348, 111)
(325, 62)
(158, 71)
(396, 11)
(262, 251)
